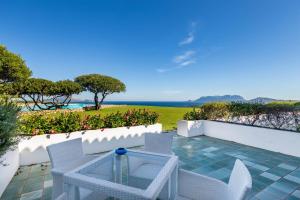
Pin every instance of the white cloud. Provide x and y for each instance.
(161, 70)
(188, 40)
(191, 35)
(188, 62)
(184, 57)
(183, 60)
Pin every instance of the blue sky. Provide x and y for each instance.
(162, 50)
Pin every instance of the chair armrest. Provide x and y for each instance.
(195, 186)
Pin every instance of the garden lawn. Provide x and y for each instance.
(168, 116)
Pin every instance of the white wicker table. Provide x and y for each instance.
(107, 177)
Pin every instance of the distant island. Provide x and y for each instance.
(189, 103)
(235, 98)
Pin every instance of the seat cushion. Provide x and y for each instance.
(147, 171)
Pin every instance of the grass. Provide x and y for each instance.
(168, 116)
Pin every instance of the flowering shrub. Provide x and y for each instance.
(35, 125)
(137, 117)
(92, 122)
(114, 120)
(65, 122)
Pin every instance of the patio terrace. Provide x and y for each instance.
(275, 175)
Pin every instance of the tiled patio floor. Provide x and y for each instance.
(275, 176)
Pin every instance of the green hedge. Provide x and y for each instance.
(8, 124)
(218, 110)
(37, 124)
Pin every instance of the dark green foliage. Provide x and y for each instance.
(215, 111)
(297, 105)
(277, 114)
(66, 122)
(114, 120)
(100, 84)
(12, 67)
(36, 124)
(278, 108)
(245, 109)
(138, 117)
(66, 88)
(44, 94)
(195, 114)
(8, 124)
(92, 122)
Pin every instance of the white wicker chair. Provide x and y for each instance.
(64, 157)
(195, 186)
(142, 172)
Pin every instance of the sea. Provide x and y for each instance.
(77, 105)
(156, 103)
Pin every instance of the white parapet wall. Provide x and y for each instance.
(34, 151)
(190, 128)
(286, 142)
(8, 168)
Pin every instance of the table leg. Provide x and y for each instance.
(173, 182)
(70, 192)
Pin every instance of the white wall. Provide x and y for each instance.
(190, 128)
(286, 142)
(8, 170)
(34, 150)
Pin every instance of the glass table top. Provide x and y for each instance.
(135, 169)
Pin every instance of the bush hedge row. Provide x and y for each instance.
(275, 113)
(37, 124)
(217, 110)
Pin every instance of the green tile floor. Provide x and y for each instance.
(275, 176)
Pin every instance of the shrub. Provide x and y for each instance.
(214, 111)
(8, 125)
(114, 120)
(149, 117)
(140, 117)
(195, 114)
(66, 122)
(247, 109)
(92, 122)
(36, 124)
(277, 114)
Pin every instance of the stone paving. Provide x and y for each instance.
(275, 176)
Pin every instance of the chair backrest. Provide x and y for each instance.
(240, 182)
(159, 143)
(64, 152)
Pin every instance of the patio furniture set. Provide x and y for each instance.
(153, 173)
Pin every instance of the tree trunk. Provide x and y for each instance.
(102, 99)
(96, 101)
